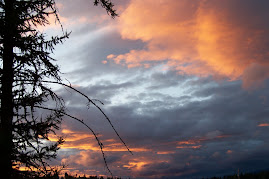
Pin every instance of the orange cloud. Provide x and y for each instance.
(86, 141)
(136, 165)
(190, 147)
(196, 143)
(198, 37)
(165, 152)
(190, 144)
(72, 136)
(264, 125)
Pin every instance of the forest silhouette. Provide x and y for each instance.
(253, 175)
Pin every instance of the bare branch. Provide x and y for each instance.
(92, 102)
(82, 122)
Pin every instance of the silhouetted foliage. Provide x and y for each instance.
(26, 70)
(66, 176)
(254, 175)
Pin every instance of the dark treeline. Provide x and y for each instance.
(256, 175)
(32, 175)
(66, 176)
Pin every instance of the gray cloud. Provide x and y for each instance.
(158, 125)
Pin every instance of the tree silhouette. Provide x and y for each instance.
(26, 71)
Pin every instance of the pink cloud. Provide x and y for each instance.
(197, 38)
(264, 125)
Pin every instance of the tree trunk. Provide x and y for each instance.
(7, 97)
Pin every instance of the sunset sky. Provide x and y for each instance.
(185, 83)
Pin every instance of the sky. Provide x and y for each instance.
(185, 83)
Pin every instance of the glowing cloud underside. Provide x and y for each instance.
(264, 125)
(86, 141)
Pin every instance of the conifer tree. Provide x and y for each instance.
(26, 69)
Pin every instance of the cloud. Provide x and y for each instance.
(255, 75)
(200, 38)
(85, 141)
(264, 125)
(196, 143)
(177, 124)
(171, 136)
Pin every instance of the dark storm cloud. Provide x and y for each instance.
(224, 124)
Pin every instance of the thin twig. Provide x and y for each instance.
(91, 101)
(82, 122)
